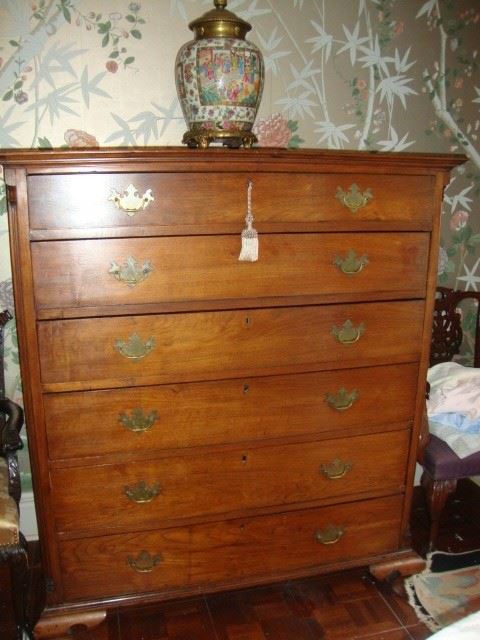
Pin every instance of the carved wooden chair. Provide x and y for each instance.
(13, 546)
(441, 466)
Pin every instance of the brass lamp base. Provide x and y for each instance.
(233, 139)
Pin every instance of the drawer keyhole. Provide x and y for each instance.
(248, 322)
(245, 458)
(246, 388)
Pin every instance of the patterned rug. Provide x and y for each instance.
(447, 590)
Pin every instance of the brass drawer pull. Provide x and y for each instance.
(138, 421)
(354, 199)
(330, 535)
(130, 272)
(342, 400)
(351, 264)
(347, 333)
(134, 348)
(336, 469)
(140, 493)
(130, 200)
(144, 562)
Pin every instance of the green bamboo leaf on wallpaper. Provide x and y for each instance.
(57, 102)
(6, 128)
(44, 143)
(124, 136)
(295, 141)
(473, 241)
(57, 60)
(147, 125)
(91, 86)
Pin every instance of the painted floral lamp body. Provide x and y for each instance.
(219, 77)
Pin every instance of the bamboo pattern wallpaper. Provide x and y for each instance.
(385, 75)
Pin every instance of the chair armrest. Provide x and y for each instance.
(10, 443)
(10, 436)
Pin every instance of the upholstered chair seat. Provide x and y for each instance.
(441, 463)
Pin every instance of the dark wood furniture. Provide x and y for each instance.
(199, 422)
(442, 468)
(13, 546)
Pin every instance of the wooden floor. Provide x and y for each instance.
(343, 606)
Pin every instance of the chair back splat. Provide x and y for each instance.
(447, 334)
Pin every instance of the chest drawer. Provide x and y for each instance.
(227, 411)
(126, 351)
(215, 553)
(131, 271)
(70, 205)
(142, 494)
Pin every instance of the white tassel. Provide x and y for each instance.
(249, 251)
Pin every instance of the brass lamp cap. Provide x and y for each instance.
(219, 23)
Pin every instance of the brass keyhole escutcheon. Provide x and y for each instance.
(245, 458)
(246, 388)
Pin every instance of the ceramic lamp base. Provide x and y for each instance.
(231, 138)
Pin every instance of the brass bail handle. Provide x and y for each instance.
(141, 492)
(130, 201)
(342, 400)
(348, 333)
(351, 264)
(330, 535)
(354, 199)
(144, 562)
(131, 272)
(135, 348)
(336, 469)
(138, 420)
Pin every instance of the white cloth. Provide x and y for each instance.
(454, 388)
(454, 406)
(466, 629)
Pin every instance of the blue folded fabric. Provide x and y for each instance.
(457, 421)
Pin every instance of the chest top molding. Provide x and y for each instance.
(224, 160)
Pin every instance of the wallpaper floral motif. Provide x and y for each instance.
(386, 75)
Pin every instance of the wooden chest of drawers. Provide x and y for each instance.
(198, 422)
